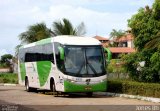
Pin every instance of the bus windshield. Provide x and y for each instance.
(84, 61)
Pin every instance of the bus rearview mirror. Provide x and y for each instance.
(61, 51)
(109, 54)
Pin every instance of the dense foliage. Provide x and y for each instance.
(134, 88)
(145, 27)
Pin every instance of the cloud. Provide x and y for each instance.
(141, 2)
(103, 22)
(99, 16)
(2, 52)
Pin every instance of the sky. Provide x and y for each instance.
(99, 16)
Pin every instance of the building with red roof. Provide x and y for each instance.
(103, 40)
(125, 44)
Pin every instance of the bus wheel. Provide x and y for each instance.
(28, 89)
(53, 89)
(89, 94)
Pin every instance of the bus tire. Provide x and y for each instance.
(28, 89)
(89, 94)
(52, 86)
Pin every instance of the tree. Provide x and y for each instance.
(155, 41)
(17, 50)
(145, 27)
(66, 28)
(35, 32)
(116, 34)
(6, 59)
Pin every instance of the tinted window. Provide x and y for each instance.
(39, 53)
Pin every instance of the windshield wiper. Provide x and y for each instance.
(92, 68)
(80, 68)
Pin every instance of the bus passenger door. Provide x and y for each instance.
(58, 79)
(32, 74)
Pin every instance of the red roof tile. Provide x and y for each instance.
(121, 49)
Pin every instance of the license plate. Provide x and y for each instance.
(88, 88)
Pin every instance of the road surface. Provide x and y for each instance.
(16, 98)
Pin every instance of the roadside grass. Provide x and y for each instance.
(9, 78)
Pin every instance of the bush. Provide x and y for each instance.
(1, 80)
(8, 78)
(3, 65)
(134, 88)
(116, 69)
(115, 66)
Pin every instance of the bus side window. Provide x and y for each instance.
(48, 53)
(37, 53)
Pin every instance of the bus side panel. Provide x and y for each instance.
(44, 69)
(58, 79)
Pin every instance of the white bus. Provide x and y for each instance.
(63, 64)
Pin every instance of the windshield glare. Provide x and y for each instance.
(84, 61)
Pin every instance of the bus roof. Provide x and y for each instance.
(66, 40)
(74, 40)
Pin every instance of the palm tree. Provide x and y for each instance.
(154, 43)
(35, 32)
(66, 28)
(115, 34)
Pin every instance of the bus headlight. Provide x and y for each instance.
(103, 80)
(72, 81)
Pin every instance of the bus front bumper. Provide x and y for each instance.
(73, 87)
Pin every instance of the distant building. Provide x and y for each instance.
(116, 51)
(125, 44)
(125, 41)
(103, 40)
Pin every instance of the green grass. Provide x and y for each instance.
(9, 78)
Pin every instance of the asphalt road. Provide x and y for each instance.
(13, 98)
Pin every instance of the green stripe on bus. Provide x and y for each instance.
(43, 68)
(73, 87)
(44, 41)
(22, 71)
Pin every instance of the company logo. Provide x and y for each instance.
(88, 81)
